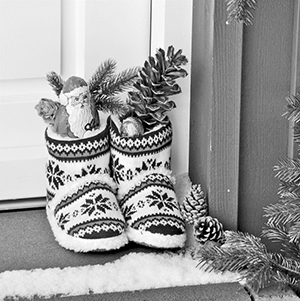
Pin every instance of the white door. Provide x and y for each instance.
(71, 37)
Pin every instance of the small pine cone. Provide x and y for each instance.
(208, 228)
(194, 205)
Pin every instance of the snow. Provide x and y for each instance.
(134, 271)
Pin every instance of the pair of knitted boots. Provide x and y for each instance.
(106, 190)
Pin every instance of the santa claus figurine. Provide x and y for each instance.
(80, 114)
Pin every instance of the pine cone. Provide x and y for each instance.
(156, 82)
(208, 228)
(194, 205)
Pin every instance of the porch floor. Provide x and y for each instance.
(27, 242)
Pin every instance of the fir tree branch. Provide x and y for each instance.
(289, 190)
(55, 81)
(111, 104)
(120, 82)
(104, 72)
(246, 254)
(294, 233)
(296, 133)
(288, 170)
(242, 253)
(280, 233)
(240, 10)
(287, 266)
(284, 211)
(293, 108)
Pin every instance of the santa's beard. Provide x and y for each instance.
(79, 117)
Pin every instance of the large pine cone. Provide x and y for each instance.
(208, 228)
(155, 84)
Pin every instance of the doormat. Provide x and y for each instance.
(134, 271)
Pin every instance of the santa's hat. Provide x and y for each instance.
(74, 86)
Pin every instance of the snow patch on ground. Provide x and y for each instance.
(134, 271)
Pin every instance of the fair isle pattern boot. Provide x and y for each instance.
(81, 205)
(141, 168)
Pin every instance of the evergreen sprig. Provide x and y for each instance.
(288, 190)
(104, 72)
(285, 211)
(111, 104)
(120, 82)
(293, 108)
(288, 170)
(247, 255)
(243, 253)
(55, 81)
(240, 10)
(105, 84)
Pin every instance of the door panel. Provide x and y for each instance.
(70, 37)
(73, 37)
(29, 48)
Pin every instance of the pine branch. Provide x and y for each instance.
(283, 212)
(104, 72)
(111, 104)
(104, 85)
(286, 266)
(296, 133)
(280, 234)
(288, 170)
(240, 10)
(246, 254)
(242, 253)
(289, 190)
(293, 108)
(55, 81)
(120, 82)
(294, 233)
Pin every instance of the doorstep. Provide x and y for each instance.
(26, 242)
(208, 292)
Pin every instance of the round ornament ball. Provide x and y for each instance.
(132, 127)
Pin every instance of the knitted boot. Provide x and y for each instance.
(81, 205)
(141, 168)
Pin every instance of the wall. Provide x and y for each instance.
(266, 81)
(240, 78)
